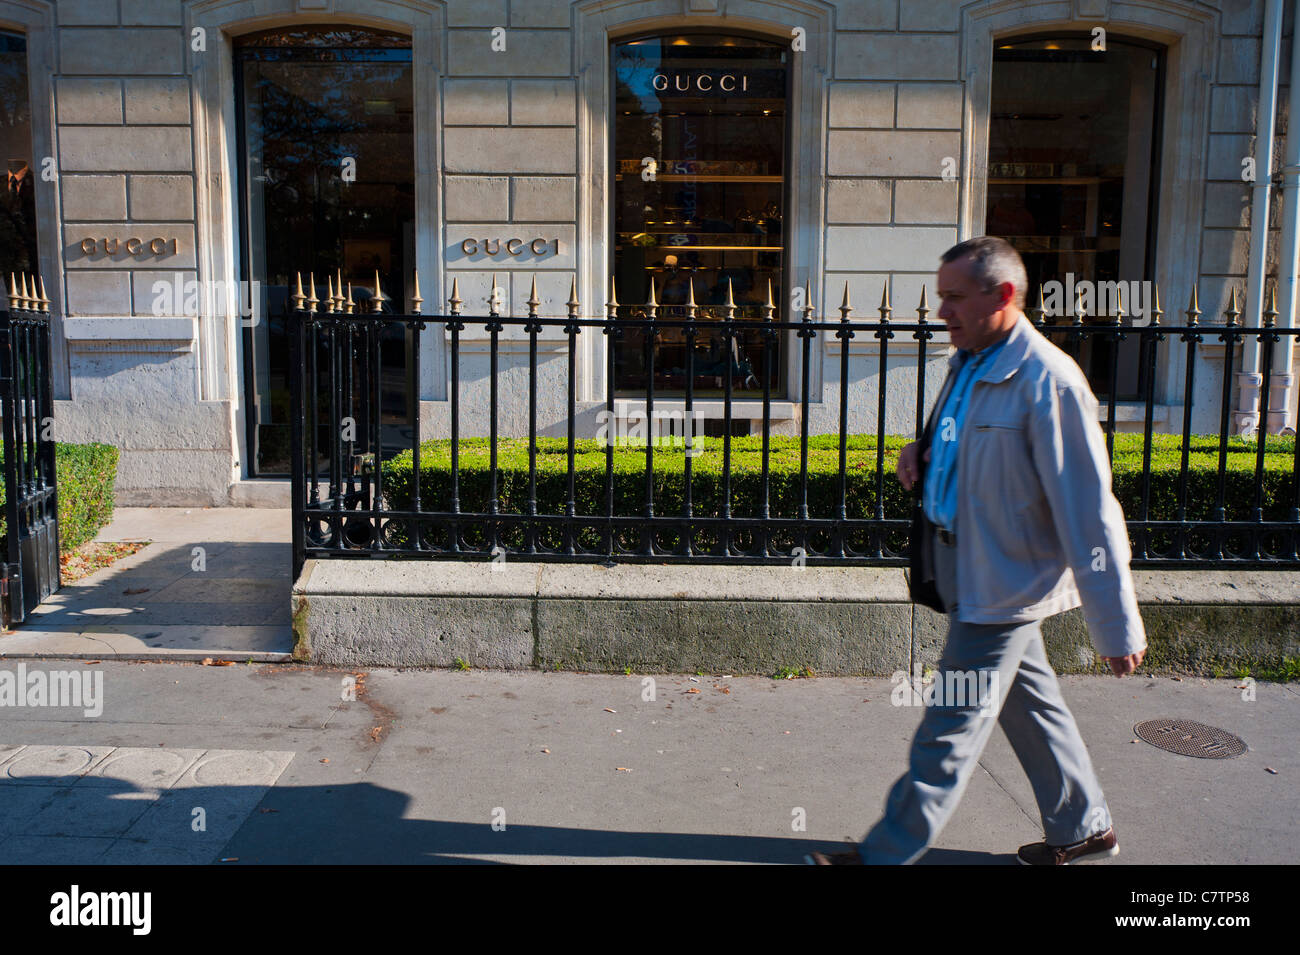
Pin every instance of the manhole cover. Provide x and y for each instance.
(1189, 738)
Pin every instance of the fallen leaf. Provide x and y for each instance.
(622, 769)
(545, 750)
(608, 710)
(374, 733)
(209, 662)
(1178, 679)
(692, 690)
(324, 760)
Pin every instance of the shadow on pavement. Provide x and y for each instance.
(46, 820)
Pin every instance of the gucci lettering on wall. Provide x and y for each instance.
(134, 245)
(538, 248)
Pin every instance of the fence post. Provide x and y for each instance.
(297, 383)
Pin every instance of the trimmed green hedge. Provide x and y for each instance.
(86, 473)
(823, 479)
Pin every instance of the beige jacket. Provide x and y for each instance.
(1038, 529)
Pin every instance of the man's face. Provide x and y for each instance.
(976, 318)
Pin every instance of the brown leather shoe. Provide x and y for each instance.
(834, 858)
(1099, 846)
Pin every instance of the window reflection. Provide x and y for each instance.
(18, 205)
(699, 194)
(1072, 149)
(328, 145)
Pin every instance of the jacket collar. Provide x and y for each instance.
(1011, 356)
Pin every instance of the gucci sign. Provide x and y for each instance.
(686, 82)
(133, 246)
(515, 247)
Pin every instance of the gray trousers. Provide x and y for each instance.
(1026, 699)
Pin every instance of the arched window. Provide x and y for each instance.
(18, 205)
(700, 186)
(327, 146)
(1073, 153)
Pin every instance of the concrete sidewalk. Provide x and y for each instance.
(584, 768)
(214, 582)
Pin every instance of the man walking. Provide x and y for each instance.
(1019, 523)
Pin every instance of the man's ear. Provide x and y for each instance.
(1006, 295)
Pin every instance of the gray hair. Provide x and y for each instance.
(993, 261)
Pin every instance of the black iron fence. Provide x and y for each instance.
(1190, 499)
(31, 505)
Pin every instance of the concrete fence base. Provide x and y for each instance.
(755, 620)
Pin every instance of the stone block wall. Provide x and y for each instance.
(891, 109)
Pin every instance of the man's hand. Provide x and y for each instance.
(1122, 665)
(908, 467)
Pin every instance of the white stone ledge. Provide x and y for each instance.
(129, 328)
(712, 582)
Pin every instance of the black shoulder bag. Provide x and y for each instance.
(920, 576)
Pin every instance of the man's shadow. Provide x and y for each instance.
(51, 821)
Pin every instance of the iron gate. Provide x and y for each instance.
(31, 507)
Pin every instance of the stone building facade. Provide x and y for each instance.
(902, 121)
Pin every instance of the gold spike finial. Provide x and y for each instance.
(731, 300)
(533, 300)
(377, 301)
(651, 302)
(1233, 311)
(573, 303)
(312, 300)
(45, 302)
(24, 300)
(298, 297)
(329, 294)
(349, 305)
(455, 301)
(416, 301)
(613, 295)
(13, 291)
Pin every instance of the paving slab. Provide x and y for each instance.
(121, 805)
